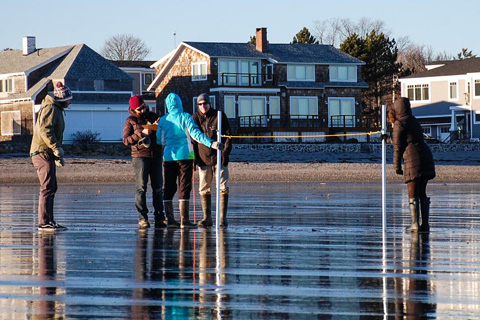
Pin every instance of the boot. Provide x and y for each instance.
(223, 210)
(171, 222)
(184, 215)
(160, 220)
(207, 211)
(414, 213)
(425, 211)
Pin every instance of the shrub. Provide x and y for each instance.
(85, 141)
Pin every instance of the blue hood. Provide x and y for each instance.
(174, 103)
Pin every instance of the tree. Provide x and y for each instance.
(465, 54)
(253, 40)
(125, 47)
(380, 56)
(304, 36)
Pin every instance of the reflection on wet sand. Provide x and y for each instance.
(169, 286)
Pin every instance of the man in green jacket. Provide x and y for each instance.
(46, 151)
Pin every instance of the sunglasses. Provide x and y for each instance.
(202, 103)
(140, 108)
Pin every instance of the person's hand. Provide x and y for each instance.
(399, 171)
(58, 152)
(145, 141)
(217, 145)
(384, 137)
(60, 162)
(146, 132)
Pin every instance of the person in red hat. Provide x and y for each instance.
(46, 151)
(146, 159)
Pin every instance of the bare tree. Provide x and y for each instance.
(125, 47)
(334, 31)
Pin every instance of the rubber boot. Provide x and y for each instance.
(414, 213)
(425, 212)
(171, 222)
(160, 220)
(223, 210)
(184, 215)
(207, 211)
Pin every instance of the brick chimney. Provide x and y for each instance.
(28, 45)
(261, 40)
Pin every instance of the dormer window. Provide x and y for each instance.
(343, 73)
(6, 85)
(199, 71)
(301, 72)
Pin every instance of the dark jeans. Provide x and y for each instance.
(46, 172)
(180, 170)
(144, 168)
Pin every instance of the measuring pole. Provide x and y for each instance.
(384, 169)
(219, 168)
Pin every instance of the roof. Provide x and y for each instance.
(434, 109)
(452, 68)
(321, 85)
(13, 61)
(280, 53)
(132, 64)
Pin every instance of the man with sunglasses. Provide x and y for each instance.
(146, 160)
(206, 160)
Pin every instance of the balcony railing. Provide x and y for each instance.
(241, 79)
(342, 121)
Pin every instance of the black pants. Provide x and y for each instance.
(180, 171)
(417, 188)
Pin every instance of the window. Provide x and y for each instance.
(251, 111)
(476, 89)
(343, 73)
(6, 85)
(212, 103)
(301, 72)
(147, 78)
(229, 106)
(341, 112)
(199, 71)
(11, 123)
(427, 130)
(301, 107)
(453, 95)
(269, 72)
(227, 72)
(239, 72)
(418, 92)
(275, 107)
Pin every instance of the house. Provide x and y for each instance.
(446, 99)
(142, 74)
(267, 89)
(101, 90)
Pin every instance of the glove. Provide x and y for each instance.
(399, 171)
(384, 137)
(145, 141)
(58, 152)
(59, 162)
(217, 145)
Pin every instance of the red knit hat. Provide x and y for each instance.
(136, 101)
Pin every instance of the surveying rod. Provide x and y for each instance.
(384, 168)
(219, 168)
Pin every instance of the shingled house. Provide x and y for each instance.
(446, 99)
(267, 89)
(101, 90)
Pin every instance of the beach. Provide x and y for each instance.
(254, 166)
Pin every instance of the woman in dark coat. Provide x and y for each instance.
(418, 161)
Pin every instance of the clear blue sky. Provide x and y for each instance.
(444, 25)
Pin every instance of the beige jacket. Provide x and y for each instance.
(49, 127)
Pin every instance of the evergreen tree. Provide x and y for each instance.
(380, 55)
(304, 36)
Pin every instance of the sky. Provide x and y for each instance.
(443, 25)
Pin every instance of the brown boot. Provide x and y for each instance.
(424, 212)
(223, 210)
(168, 207)
(184, 214)
(207, 211)
(414, 213)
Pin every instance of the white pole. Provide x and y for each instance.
(219, 168)
(384, 169)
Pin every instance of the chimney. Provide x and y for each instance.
(261, 40)
(28, 44)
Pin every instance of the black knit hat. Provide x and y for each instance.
(203, 98)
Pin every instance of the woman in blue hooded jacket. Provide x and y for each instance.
(175, 132)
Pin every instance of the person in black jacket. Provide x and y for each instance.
(419, 166)
(206, 160)
(146, 160)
